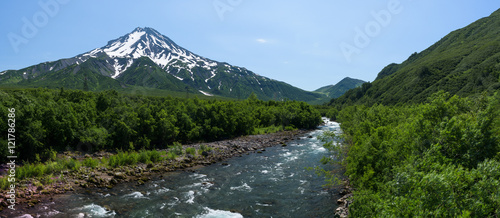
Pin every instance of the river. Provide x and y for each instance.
(274, 183)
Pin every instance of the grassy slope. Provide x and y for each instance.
(465, 62)
(335, 91)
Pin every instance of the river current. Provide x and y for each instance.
(274, 183)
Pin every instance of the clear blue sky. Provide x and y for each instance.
(298, 42)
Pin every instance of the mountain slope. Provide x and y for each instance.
(168, 66)
(335, 91)
(90, 73)
(465, 62)
(144, 72)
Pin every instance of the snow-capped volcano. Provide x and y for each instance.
(146, 58)
(147, 42)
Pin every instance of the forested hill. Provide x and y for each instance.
(335, 91)
(465, 62)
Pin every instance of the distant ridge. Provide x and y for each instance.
(335, 91)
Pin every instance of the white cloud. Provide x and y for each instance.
(262, 41)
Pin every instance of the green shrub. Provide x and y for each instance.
(171, 155)
(113, 161)
(124, 158)
(155, 156)
(54, 167)
(204, 148)
(191, 151)
(30, 170)
(144, 156)
(177, 149)
(72, 164)
(4, 183)
(131, 158)
(90, 162)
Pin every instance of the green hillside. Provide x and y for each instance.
(86, 76)
(465, 62)
(335, 91)
(145, 72)
(422, 139)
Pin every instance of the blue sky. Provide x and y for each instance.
(308, 44)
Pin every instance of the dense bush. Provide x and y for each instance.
(436, 159)
(49, 121)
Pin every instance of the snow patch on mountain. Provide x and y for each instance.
(205, 93)
(92, 53)
(177, 77)
(212, 76)
(120, 68)
(124, 48)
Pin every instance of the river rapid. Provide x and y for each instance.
(274, 183)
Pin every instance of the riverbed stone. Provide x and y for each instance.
(119, 175)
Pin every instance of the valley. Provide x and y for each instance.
(143, 127)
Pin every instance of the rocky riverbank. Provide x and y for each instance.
(86, 179)
(344, 202)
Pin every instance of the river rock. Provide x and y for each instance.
(107, 207)
(120, 175)
(140, 182)
(341, 212)
(343, 191)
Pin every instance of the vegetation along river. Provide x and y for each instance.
(274, 183)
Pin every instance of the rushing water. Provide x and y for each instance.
(274, 183)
